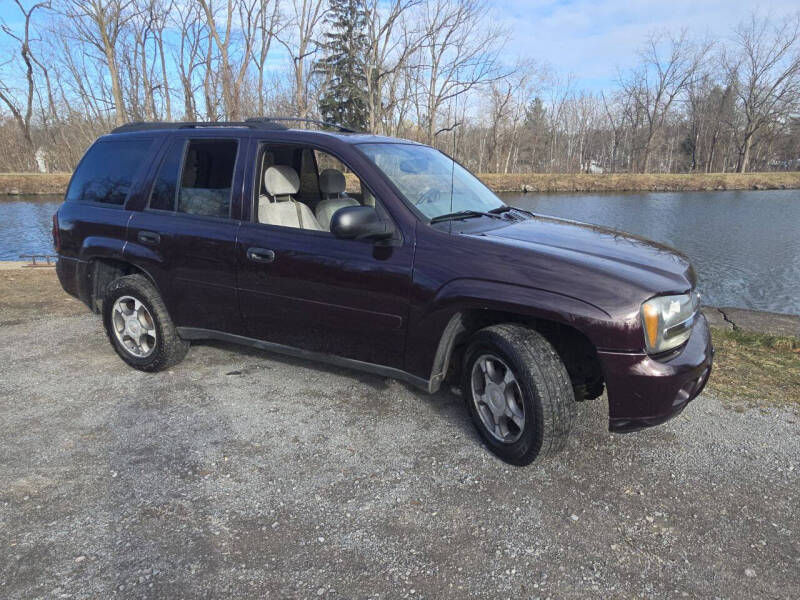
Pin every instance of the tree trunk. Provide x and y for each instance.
(744, 155)
(116, 88)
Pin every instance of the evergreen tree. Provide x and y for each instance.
(342, 99)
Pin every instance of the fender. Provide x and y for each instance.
(438, 327)
(94, 246)
(94, 250)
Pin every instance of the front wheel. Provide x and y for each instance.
(518, 393)
(138, 325)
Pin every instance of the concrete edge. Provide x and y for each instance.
(753, 321)
(14, 265)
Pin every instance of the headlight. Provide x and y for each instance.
(668, 320)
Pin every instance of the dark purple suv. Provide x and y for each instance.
(383, 255)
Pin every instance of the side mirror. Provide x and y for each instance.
(359, 223)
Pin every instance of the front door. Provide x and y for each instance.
(302, 287)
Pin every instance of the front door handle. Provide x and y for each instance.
(261, 255)
(151, 238)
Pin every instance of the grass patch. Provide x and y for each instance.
(754, 370)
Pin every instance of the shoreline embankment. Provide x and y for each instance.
(14, 184)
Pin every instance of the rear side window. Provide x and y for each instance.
(107, 171)
(206, 178)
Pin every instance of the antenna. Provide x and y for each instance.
(453, 166)
(453, 158)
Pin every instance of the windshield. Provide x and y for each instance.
(426, 178)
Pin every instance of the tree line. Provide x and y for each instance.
(436, 71)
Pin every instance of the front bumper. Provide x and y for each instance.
(644, 391)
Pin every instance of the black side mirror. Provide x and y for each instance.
(359, 223)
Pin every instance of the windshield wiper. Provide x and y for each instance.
(505, 208)
(464, 214)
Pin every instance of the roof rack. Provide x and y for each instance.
(151, 125)
(335, 126)
(272, 123)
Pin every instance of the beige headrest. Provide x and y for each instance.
(281, 180)
(331, 181)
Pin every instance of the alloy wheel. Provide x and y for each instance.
(134, 326)
(498, 398)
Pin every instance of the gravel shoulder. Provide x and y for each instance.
(243, 474)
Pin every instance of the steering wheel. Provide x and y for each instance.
(429, 196)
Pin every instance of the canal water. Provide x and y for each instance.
(745, 245)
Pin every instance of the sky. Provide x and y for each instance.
(590, 40)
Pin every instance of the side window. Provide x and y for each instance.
(206, 178)
(107, 171)
(165, 189)
(354, 188)
(302, 188)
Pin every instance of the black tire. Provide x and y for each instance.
(169, 349)
(546, 391)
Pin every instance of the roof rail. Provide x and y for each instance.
(335, 126)
(154, 125)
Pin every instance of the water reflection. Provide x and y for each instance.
(26, 224)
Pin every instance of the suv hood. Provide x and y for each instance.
(600, 265)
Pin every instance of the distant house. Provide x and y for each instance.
(592, 167)
(41, 160)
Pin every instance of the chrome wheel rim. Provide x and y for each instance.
(498, 398)
(134, 326)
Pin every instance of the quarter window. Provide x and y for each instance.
(165, 188)
(107, 171)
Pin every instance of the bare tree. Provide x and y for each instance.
(22, 111)
(390, 44)
(100, 24)
(242, 16)
(299, 38)
(506, 109)
(192, 35)
(668, 65)
(460, 52)
(75, 71)
(765, 69)
(269, 26)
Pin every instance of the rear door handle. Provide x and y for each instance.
(261, 255)
(151, 238)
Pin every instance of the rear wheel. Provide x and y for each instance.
(139, 327)
(518, 393)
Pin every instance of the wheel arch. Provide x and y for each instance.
(565, 323)
(101, 271)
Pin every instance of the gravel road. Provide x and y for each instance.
(240, 474)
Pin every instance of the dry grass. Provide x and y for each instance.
(31, 293)
(633, 182)
(55, 183)
(33, 183)
(752, 369)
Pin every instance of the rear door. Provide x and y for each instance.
(186, 234)
(308, 289)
